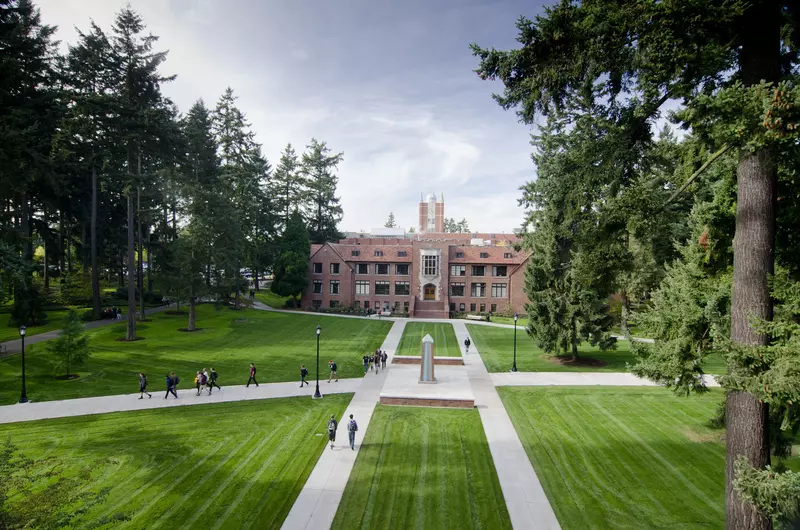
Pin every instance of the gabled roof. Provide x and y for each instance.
(495, 255)
(366, 253)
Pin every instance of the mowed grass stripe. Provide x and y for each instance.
(622, 457)
(425, 469)
(443, 335)
(236, 465)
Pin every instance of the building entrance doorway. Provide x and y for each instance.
(429, 292)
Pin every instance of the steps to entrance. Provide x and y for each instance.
(429, 309)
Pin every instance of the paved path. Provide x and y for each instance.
(15, 346)
(317, 503)
(526, 501)
(127, 402)
(577, 379)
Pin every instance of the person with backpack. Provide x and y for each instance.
(366, 362)
(202, 379)
(467, 342)
(384, 357)
(303, 374)
(143, 386)
(252, 375)
(171, 382)
(334, 375)
(197, 381)
(352, 427)
(212, 380)
(332, 426)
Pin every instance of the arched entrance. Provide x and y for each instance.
(429, 292)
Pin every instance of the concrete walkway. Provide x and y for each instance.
(127, 402)
(15, 346)
(526, 501)
(577, 379)
(317, 503)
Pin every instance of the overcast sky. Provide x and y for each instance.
(389, 83)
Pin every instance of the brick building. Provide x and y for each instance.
(427, 274)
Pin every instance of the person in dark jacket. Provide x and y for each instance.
(467, 342)
(352, 427)
(252, 375)
(303, 374)
(143, 386)
(171, 384)
(333, 367)
(366, 362)
(212, 380)
(332, 426)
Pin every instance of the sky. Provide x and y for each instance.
(388, 83)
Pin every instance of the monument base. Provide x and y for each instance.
(415, 359)
(428, 382)
(403, 388)
(421, 402)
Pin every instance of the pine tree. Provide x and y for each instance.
(390, 223)
(72, 345)
(291, 267)
(288, 185)
(323, 210)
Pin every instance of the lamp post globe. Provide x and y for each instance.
(23, 398)
(514, 366)
(317, 394)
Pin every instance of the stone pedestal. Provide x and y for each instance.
(426, 374)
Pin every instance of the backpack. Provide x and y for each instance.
(333, 367)
(331, 426)
(304, 372)
(353, 426)
(176, 380)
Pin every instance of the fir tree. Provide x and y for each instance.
(390, 223)
(288, 185)
(72, 345)
(291, 267)
(323, 210)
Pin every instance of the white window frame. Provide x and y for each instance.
(362, 287)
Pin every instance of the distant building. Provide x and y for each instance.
(427, 275)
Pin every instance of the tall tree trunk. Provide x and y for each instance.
(149, 263)
(131, 334)
(192, 312)
(236, 300)
(84, 248)
(140, 267)
(121, 276)
(69, 248)
(93, 243)
(626, 311)
(753, 262)
(61, 249)
(573, 339)
(255, 278)
(45, 273)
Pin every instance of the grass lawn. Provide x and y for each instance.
(497, 351)
(423, 469)
(227, 465)
(267, 297)
(445, 343)
(623, 457)
(522, 322)
(276, 342)
(54, 320)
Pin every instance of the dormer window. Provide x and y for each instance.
(378, 253)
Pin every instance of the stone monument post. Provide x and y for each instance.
(426, 367)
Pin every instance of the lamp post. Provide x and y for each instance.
(24, 397)
(317, 395)
(514, 366)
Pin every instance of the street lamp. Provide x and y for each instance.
(514, 366)
(24, 397)
(317, 395)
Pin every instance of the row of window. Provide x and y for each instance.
(379, 253)
(498, 271)
(400, 269)
(478, 290)
(317, 304)
(362, 287)
(473, 307)
(506, 255)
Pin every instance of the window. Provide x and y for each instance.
(459, 254)
(355, 252)
(377, 305)
(507, 255)
(483, 308)
(499, 290)
(478, 270)
(396, 307)
(461, 307)
(452, 306)
(430, 265)
(405, 307)
(318, 268)
(362, 268)
(382, 268)
(458, 270)
(381, 287)
(362, 287)
(334, 304)
(334, 268)
(493, 308)
(457, 289)
(334, 286)
(402, 253)
(471, 308)
(317, 287)
(402, 288)
(357, 304)
(379, 253)
(478, 290)
(401, 270)
(499, 270)
(484, 254)
(316, 304)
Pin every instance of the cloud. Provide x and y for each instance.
(299, 54)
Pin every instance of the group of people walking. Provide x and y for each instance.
(352, 428)
(375, 361)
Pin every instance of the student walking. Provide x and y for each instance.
(366, 362)
(332, 426)
(171, 382)
(384, 356)
(206, 381)
(252, 375)
(303, 374)
(212, 380)
(334, 375)
(352, 427)
(467, 342)
(197, 382)
(143, 386)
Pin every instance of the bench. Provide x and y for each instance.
(476, 317)
(385, 313)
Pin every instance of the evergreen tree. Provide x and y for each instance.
(72, 345)
(390, 223)
(288, 185)
(323, 210)
(291, 267)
